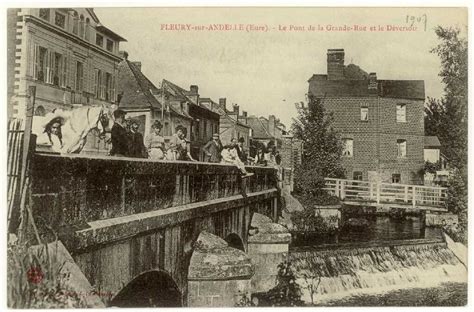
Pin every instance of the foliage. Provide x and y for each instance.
(310, 220)
(457, 203)
(287, 292)
(35, 280)
(432, 167)
(447, 117)
(246, 300)
(322, 153)
(308, 269)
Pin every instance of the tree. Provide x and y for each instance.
(447, 117)
(322, 147)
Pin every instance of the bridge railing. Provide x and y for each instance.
(72, 189)
(414, 195)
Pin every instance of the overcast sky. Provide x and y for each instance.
(267, 72)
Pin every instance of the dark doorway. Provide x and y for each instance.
(150, 289)
(234, 241)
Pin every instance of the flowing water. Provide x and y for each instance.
(350, 270)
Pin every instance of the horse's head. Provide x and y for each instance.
(104, 121)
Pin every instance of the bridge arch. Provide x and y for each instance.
(235, 241)
(153, 288)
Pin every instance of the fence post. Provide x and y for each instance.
(371, 191)
(378, 192)
(343, 192)
(406, 193)
(414, 197)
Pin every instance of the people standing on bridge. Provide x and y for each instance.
(229, 156)
(178, 146)
(155, 143)
(239, 147)
(213, 149)
(136, 148)
(119, 136)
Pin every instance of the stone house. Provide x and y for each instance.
(68, 55)
(381, 122)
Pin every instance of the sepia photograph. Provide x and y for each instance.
(236, 157)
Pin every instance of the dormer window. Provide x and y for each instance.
(59, 19)
(44, 14)
(99, 40)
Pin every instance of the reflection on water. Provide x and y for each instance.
(372, 228)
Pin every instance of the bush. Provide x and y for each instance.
(457, 203)
(287, 292)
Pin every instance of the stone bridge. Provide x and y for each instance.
(149, 233)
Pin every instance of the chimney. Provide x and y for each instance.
(222, 103)
(335, 64)
(123, 54)
(244, 114)
(373, 81)
(194, 89)
(138, 65)
(194, 93)
(235, 108)
(271, 124)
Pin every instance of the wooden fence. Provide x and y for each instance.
(15, 138)
(365, 191)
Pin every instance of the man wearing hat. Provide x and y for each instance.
(119, 135)
(213, 149)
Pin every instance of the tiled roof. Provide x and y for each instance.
(136, 89)
(259, 131)
(138, 92)
(216, 108)
(432, 141)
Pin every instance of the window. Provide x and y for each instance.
(364, 114)
(86, 30)
(108, 86)
(401, 148)
(396, 178)
(57, 69)
(401, 113)
(41, 63)
(347, 148)
(64, 72)
(59, 19)
(99, 40)
(79, 76)
(357, 175)
(44, 14)
(75, 21)
(110, 45)
(81, 26)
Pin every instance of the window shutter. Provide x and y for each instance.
(102, 96)
(48, 66)
(64, 72)
(96, 82)
(36, 55)
(113, 90)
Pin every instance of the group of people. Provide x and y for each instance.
(127, 141)
(232, 153)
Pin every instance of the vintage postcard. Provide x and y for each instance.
(236, 157)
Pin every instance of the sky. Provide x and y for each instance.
(266, 72)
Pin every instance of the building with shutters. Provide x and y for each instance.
(381, 122)
(66, 53)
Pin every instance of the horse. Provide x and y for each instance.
(77, 123)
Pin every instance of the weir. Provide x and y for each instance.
(351, 269)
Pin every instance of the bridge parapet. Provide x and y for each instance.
(75, 190)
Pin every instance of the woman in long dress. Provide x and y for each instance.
(155, 143)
